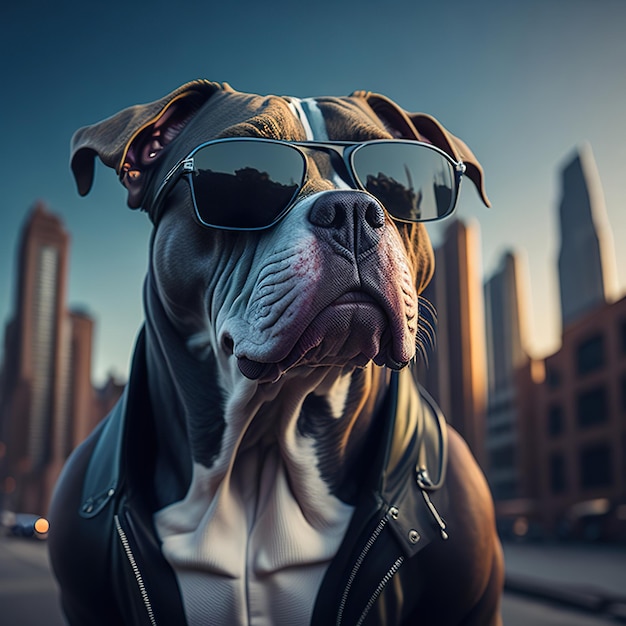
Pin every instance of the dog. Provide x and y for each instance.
(273, 459)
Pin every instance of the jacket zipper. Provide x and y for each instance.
(357, 565)
(381, 585)
(135, 568)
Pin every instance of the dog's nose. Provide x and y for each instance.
(353, 219)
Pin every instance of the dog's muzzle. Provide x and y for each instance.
(347, 298)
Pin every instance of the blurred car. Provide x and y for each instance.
(24, 525)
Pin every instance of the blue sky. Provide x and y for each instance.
(522, 82)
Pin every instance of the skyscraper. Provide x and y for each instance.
(506, 321)
(43, 391)
(456, 373)
(587, 274)
(506, 328)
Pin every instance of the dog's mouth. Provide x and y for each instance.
(350, 332)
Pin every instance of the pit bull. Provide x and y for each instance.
(273, 459)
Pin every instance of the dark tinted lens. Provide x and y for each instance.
(245, 184)
(413, 182)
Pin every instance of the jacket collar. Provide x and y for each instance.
(409, 464)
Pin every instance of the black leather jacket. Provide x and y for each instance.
(106, 554)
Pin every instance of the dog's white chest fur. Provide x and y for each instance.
(253, 537)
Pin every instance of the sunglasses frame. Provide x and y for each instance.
(344, 149)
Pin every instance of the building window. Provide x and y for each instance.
(503, 457)
(557, 473)
(555, 420)
(590, 355)
(623, 469)
(505, 490)
(592, 407)
(595, 466)
(503, 428)
(553, 377)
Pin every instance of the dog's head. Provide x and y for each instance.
(330, 277)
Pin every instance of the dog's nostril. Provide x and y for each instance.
(339, 216)
(228, 344)
(374, 215)
(328, 214)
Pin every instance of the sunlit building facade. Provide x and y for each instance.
(456, 372)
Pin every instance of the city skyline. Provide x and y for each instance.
(524, 85)
(47, 402)
(42, 386)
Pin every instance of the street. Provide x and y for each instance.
(28, 594)
(520, 611)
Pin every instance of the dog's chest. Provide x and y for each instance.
(250, 545)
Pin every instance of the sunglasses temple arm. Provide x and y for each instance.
(460, 170)
(183, 167)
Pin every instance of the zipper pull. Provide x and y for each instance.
(424, 482)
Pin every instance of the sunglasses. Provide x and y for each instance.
(243, 183)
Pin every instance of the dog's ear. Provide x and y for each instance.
(424, 127)
(132, 140)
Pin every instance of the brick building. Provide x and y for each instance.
(579, 416)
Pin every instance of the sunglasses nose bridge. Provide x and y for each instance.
(326, 162)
